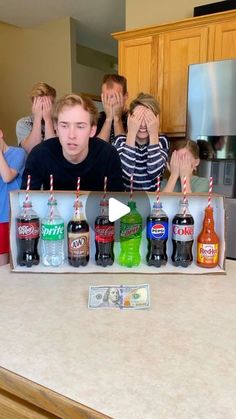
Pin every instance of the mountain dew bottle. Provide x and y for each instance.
(130, 237)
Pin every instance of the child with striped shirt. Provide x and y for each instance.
(142, 151)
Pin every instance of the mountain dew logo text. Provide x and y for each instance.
(52, 231)
(130, 231)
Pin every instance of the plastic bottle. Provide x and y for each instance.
(78, 238)
(208, 242)
(182, 236)
(157, 235)
(27, 235)
(52, 237)
(104, 236)
(130, 237)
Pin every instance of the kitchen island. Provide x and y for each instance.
(175, 360)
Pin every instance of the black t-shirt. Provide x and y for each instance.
(47, 158)
(101, 120)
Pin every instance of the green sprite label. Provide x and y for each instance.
(130, 231)
(52, 231)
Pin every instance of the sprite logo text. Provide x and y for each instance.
(52, 231)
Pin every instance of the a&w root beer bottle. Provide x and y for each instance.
(182, 236)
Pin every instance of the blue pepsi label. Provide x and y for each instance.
(157, 230)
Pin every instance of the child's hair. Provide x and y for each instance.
(190, 145)
(73, 100)
(42, 89)
(109, 79)
(144, 99)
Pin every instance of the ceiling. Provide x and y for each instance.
(96, 18)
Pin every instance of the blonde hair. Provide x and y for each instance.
(73, 100)
(144, 99)
(190, 145)
(42, 89)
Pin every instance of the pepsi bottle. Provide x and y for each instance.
(157, 235)
(182, 236)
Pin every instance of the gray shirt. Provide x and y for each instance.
(24, 127)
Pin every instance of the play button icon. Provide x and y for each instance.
(117, 209)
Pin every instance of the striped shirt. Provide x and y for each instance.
(145, 162)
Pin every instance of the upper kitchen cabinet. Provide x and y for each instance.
(155, 60)
(137, 62)
(179, 49)
(225, 41)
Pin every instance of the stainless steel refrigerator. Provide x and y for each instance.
(211, 121)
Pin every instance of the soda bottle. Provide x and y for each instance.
(182, 236)
(52, 236)
(104, 236)
(78, 238)
(27, 234)
(130, 237)
(157, 235)
(208, 242)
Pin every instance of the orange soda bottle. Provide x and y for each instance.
(208, 242)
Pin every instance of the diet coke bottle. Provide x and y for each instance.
(104, 236)
(182, 236)
(27, 235)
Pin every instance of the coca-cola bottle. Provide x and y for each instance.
(157, 235)
(78, 238)
(27, 236)
(182, 236)
(104, 236)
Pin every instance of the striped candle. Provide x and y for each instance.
(131, 187)
(158, 189)
(210, 191)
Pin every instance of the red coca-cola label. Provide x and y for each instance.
(104, 234)
(27, 230)
(182, 233)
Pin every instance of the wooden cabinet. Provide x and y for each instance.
(180, 48)
(137, 61)
(155, 60)
(225, 41)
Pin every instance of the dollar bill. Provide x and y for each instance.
(135, 297)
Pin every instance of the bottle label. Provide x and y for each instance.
(207, 253)
(78, 244)
(104, 234)
(27, 230)
(182, 233)
(52, 231)
(130, 231)
(157, 230)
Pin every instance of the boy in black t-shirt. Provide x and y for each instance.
(74, 153)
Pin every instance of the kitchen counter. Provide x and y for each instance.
(176, 360)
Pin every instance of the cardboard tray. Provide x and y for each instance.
(90, 200)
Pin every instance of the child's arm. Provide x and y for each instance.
(174, 173)
(186, 170)
(47, 116)
(34, 137)
(6, 172)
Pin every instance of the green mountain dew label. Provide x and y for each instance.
(52, 231)
(130, 231)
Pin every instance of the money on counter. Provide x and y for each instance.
(136, 297)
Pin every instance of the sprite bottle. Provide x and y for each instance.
(52, 237)
(130, 237)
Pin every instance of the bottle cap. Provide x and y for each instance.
(157, 205)
(104, 202)
(52, 202)
(27, 204)
(132, 205)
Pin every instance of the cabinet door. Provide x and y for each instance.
(179, 49)
(137, 62)
(225, 41)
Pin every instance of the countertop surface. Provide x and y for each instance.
(175, 360)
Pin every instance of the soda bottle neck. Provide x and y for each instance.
(157, 210)
(209, 218)
(183, 207)
(132, 205)
(52, 208)
(104, 207)
(78, 212)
